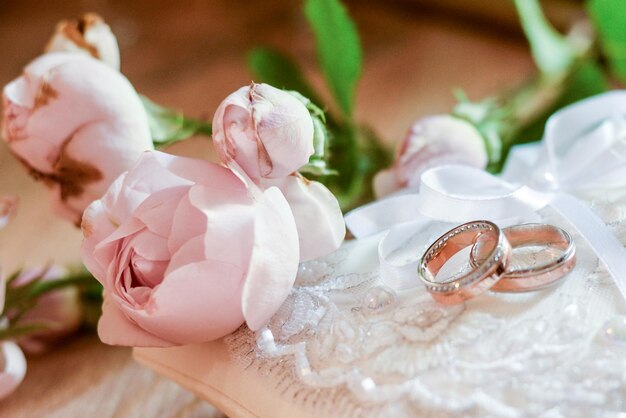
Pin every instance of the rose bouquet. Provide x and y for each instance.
(187, 250)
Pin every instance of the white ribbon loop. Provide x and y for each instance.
(584, 147)
(463, 194)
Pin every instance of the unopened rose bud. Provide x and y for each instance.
(431, 142)
(88, 35)
(75, 124)
(268, 132)
(318, 217)
(60, 309)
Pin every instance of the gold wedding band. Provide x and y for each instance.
(524, 279)
(485, 274)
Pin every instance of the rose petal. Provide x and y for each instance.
(88, 35)
(274, 261)
(190, 252)
(150, 246)
(189, 222)
(286, 129)
(96, 226)
(156, 211)
(145, 178)
(98, 259)
(115, 328)
(200, 172)
(196, 303)
(229, 224)
(318, 217)
(100, 151)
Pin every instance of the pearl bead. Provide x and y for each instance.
(378, 299)
(614, 330)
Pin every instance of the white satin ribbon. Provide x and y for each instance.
(584, 148)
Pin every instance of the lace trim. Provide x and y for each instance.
(506, 355)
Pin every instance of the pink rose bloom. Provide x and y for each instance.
(431, 142)
(268, 132)
(76, 124)
(321, 228)
(60, 309)
(187, 251)
(88, 35)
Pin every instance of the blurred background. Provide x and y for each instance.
(190, 55)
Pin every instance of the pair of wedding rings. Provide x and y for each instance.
(490, 260)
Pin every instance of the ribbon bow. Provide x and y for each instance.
(584, 149)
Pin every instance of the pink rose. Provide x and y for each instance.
(318, 217)
(76, 124)
(430, 142)
(186, 251)
(60, 309)
(88, 35)
(268, 132)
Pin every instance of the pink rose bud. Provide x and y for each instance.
(12, 367)
(431, 142)
(319, 220)
(76, 124)
(60, 309)
(187, 251)
(88, 35)
(268, 132)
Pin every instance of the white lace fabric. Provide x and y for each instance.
(342, 344)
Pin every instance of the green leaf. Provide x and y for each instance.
(358, 154)
(338, 49)
(551, 51)
(27, 292)
(317, 168)
(609, 18)
(274, 68)
(22, 330)
(318, 163)
(168, 126)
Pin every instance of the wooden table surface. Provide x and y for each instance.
(190, 55)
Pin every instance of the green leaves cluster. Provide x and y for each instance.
(20, 298)
(570, 68)
(168, 126)
(347, 153)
